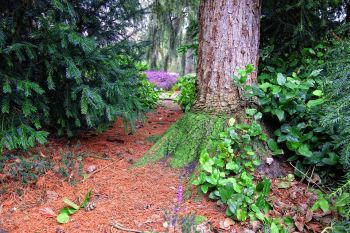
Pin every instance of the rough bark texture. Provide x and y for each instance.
(228, 39)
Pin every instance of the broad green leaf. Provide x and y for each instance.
(232, 166)
(204, 188)
(241, 215)
(211, 180)
(279, 113)
(274, 228)
(68, 210)
(204, 157)
(208, 167)
(258, 116)
(199, 219)
(70, 203)
(305, 151)
(231, 122)
(313, 103)
(317, 93)
(324, 205)
(264, 86)
(276, 90)
(272, 144)
(250, 111)
(62, 218)
(315, 73)
(281, 79)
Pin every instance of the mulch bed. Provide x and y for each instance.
(139, 198)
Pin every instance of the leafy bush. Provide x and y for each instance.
(55, 75)
(187, 86)
(162, 79)
(293, 101)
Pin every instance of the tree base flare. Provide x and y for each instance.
(186, 138)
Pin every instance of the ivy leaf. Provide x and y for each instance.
(315, 73)
(317, 93)
(258, 116)
(232, 166)
(313, 103)
(305, 151)
(281, 79)
(62, 218)
(231, 122)
(324, 205)
(208, 167)
(272, 144)
(279, 113)
(274, 228)
(70, 203)
(204, 188)
(250, 111)
(241, 215)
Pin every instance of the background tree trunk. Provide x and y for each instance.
(228, 39)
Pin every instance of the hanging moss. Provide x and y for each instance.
(186, 138)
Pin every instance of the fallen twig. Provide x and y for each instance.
(121, 227)
(99, 157)
(98, 170)
(309, 178)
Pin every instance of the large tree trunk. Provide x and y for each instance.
(228, 39)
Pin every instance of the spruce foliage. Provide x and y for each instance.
(336, 112)
(66, 67)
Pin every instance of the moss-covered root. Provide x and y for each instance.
(186, 138)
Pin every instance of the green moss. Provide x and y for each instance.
(154, 138)
(186, 138)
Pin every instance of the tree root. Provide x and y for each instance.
(186, 138)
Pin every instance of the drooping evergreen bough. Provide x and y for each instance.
(66, 66)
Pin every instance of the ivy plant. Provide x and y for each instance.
(71, 208)
(228, 175)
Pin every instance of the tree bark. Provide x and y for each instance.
(228, 39)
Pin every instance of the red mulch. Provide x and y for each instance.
(135, 197)
(138, 197)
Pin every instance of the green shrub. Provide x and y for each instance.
(336, 86)
(187, 95)
(57, 74)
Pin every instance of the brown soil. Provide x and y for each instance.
(137, 197)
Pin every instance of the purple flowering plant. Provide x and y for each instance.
(162, 79)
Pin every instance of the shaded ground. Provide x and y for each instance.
(139, 198)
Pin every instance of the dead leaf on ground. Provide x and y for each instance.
(47, 212)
